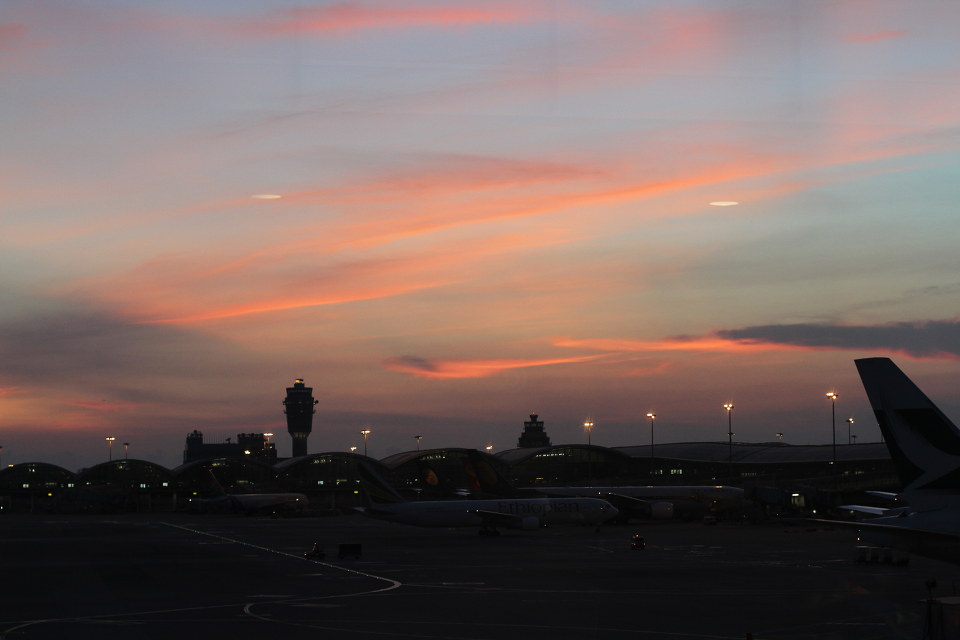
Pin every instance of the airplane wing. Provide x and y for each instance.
(497, 519)
(886, 495)
(895, 530)
(876, 511)
(658, 509)
(624, 499)
(494, 519)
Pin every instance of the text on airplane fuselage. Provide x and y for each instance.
(520, 508)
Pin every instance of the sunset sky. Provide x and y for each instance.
(445, 216)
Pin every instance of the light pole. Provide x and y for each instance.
(365, 433)
(588, 425)
(729, 407)
(126, 447)
(110, 440)
(419, 438)
(652, 416)
(833, 421)
(849, 424)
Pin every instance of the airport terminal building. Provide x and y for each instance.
(780, 477)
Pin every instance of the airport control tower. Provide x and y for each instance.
(533, 434)
(299, 407)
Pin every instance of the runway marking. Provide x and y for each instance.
(109, 618)
(394, 584)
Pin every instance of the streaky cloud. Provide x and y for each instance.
(354, 16)
(447, 369)
(672, 343)
(928, 339)
(412, 364)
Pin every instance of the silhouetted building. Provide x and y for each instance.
(533, 434)
(299, 408)
(248, 445)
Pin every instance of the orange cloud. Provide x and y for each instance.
(104, 405)
(11, 391)
(287, 304)
(448, 369)
(184, 290)
(345, 16)
(11, 35)
(875, 36)
(706, 343)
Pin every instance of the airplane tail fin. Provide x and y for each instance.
(484, 479)
(374, 489)
(923, 443)
(436, 485)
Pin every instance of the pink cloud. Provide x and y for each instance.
(192, 289)
(224, 282)
(104, 405)
(12, 36)
(353, 16)
(706, 343)
(11, 391)
(289, 303)
(875, 36)
(450, 369)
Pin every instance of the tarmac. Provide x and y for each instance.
(167, 575)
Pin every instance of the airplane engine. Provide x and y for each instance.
(530, 523)
(661, 510)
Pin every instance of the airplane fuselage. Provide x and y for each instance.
(706, 493)
(524, 513)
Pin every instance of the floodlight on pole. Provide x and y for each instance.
(833, 421)
(652, 417)
(365, 433)
(729, 407)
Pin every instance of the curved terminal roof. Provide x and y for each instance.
(235, 465)
(446, 472)
(399, 459)
(759, 453)
(290, 465)
(235, 473)
(33, 475)
(513, 457)
(134, 473)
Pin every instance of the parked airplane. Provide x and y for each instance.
(925, 447)
(251, 503)
(380, 500)
(659, 502)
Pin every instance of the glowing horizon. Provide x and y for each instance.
(443, 213)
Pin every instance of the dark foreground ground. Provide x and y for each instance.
(165, 576)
